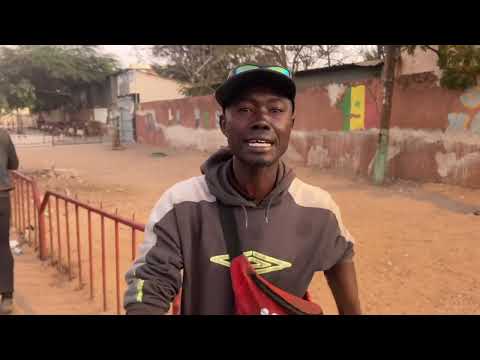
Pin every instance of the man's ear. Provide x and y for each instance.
(223, 121)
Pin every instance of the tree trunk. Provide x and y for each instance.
(381, 159)
(381, 51)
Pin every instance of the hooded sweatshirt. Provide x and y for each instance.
(291, 234)
(8, 161)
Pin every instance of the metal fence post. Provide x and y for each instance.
(42, 239)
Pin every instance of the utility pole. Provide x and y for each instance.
(380, 168)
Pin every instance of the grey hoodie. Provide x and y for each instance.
(291, 234)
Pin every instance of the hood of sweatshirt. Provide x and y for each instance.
(216, 169)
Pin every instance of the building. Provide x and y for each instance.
(338, 74)
(118, 96)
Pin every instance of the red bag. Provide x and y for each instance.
(254, 295)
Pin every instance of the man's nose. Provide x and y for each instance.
(261, 125)
(262, 122)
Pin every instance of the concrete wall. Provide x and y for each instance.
(191, 122)
(148, 85)
(435, 134)
(154, 88)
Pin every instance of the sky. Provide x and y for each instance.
(139, 54)
(135, 54)
(126, 54)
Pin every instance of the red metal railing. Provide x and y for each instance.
(103, 216)
(26, 200)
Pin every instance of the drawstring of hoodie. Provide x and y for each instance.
(245, 216)
(267, 210)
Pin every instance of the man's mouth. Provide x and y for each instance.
(260, 143)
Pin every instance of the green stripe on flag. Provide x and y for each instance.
(346, 108)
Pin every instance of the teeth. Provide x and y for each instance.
(263, 145)
(258, 141)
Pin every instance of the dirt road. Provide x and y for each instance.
(418, 248)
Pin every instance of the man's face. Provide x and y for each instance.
(258, 126)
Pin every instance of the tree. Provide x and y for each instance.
(392, 53)
(460, 64)
(200, 68)
(329, 52)
(300, 57)
(373, 53)
(44, 77)
(290, 56)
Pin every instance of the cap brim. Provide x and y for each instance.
(238, 84)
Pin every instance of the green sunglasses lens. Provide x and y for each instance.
(244, 68)
(280, 70)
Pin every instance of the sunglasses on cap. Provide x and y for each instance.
(249, 67)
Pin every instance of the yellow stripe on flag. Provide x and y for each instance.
(357, 106)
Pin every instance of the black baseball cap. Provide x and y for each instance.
(246, 76)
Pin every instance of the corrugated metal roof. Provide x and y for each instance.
(364, 64)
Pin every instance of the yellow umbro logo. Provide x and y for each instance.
(261, 263)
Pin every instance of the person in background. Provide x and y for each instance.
(8, 161)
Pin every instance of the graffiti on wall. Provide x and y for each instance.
(359, 108)
(196, 116)
(177, 117)
(353, 108)
(151, 122)
(469, 120)
(206, 120)
(335, 92)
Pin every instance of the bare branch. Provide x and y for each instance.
(432, 49)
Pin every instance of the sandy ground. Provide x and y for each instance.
(417, 244)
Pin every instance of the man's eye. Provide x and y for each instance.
(276, 110)
(244, 109)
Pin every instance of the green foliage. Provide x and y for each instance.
(369, 54)
(460, 64)
(43, 77)
(201, 68)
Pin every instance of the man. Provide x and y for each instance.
(289, 230)
(8, 161)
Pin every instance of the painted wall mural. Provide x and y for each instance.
(206, 120)
(196, 115)
(359, 107)
(353, 108)
(469, 120)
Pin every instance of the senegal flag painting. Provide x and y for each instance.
(353, 107)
